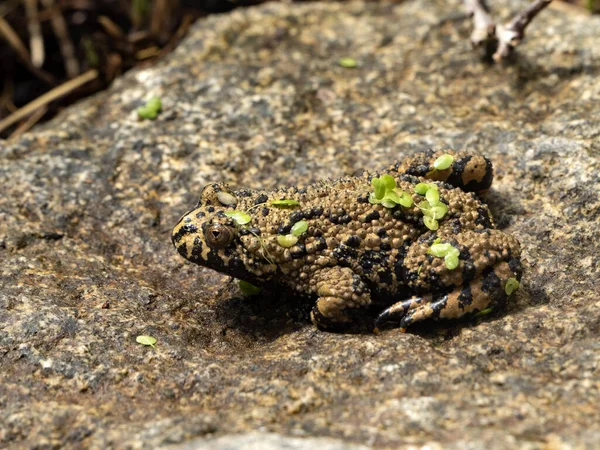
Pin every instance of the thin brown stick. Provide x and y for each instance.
(111, 28)
(36, 41)
(61, 31)
(31, 121)
(504, 38)
(48, 97)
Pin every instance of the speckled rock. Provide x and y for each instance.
(256, 98)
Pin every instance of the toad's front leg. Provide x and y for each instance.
(340, 292)
(468, 273)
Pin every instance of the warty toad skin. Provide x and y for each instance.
(351, 252)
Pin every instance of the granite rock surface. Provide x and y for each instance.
(257, 98)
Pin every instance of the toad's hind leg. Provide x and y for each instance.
(488, 291)
(468, 171)
(340, 292)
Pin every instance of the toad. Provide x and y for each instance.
(414, 241)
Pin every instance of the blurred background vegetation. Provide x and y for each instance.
(54, 52)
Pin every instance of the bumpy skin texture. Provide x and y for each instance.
(355, 253)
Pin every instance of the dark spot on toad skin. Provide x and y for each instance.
(284, 228)
(298, 251)
(363, 198)
(465, 298)
(353, 241)
(344, 254)
(296, 216)
(373, 215)
(262, 198)
(186, 229)
(197, 249)
(317, 211)
(320, 244)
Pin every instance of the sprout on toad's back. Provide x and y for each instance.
(432, 196)
(431, 223)
(299, 227)
(287, 240)
(448, 252)
(283, 203)
(387, 194)
(443, 162)
(146, 340)
(422, 188)
(240, 217)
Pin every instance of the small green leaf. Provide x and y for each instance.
(425, 208)
(393, 196)
(146, 340)
(432, 196)
(373, 200)
(443, 162)
(248, 288)
(388, 203)
(484, 312)
(405, 199)
(151, 109)
(299, 228)
(287, 240)
(379, 188)
(240, 217)
(388, 182)
(438, 210)
(512, 284)
(451, 261)
(422, 188)
(440, 250)
(283, 203)
(431, 223)
(146, 113)
(447, 251)
(347, 62)
(154, 103)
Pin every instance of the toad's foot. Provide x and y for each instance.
(483, 294)
(340, 292)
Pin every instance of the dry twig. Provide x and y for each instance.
(31, 121)
(48, 97)
(501, 38)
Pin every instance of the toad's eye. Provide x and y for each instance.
(218, 235)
